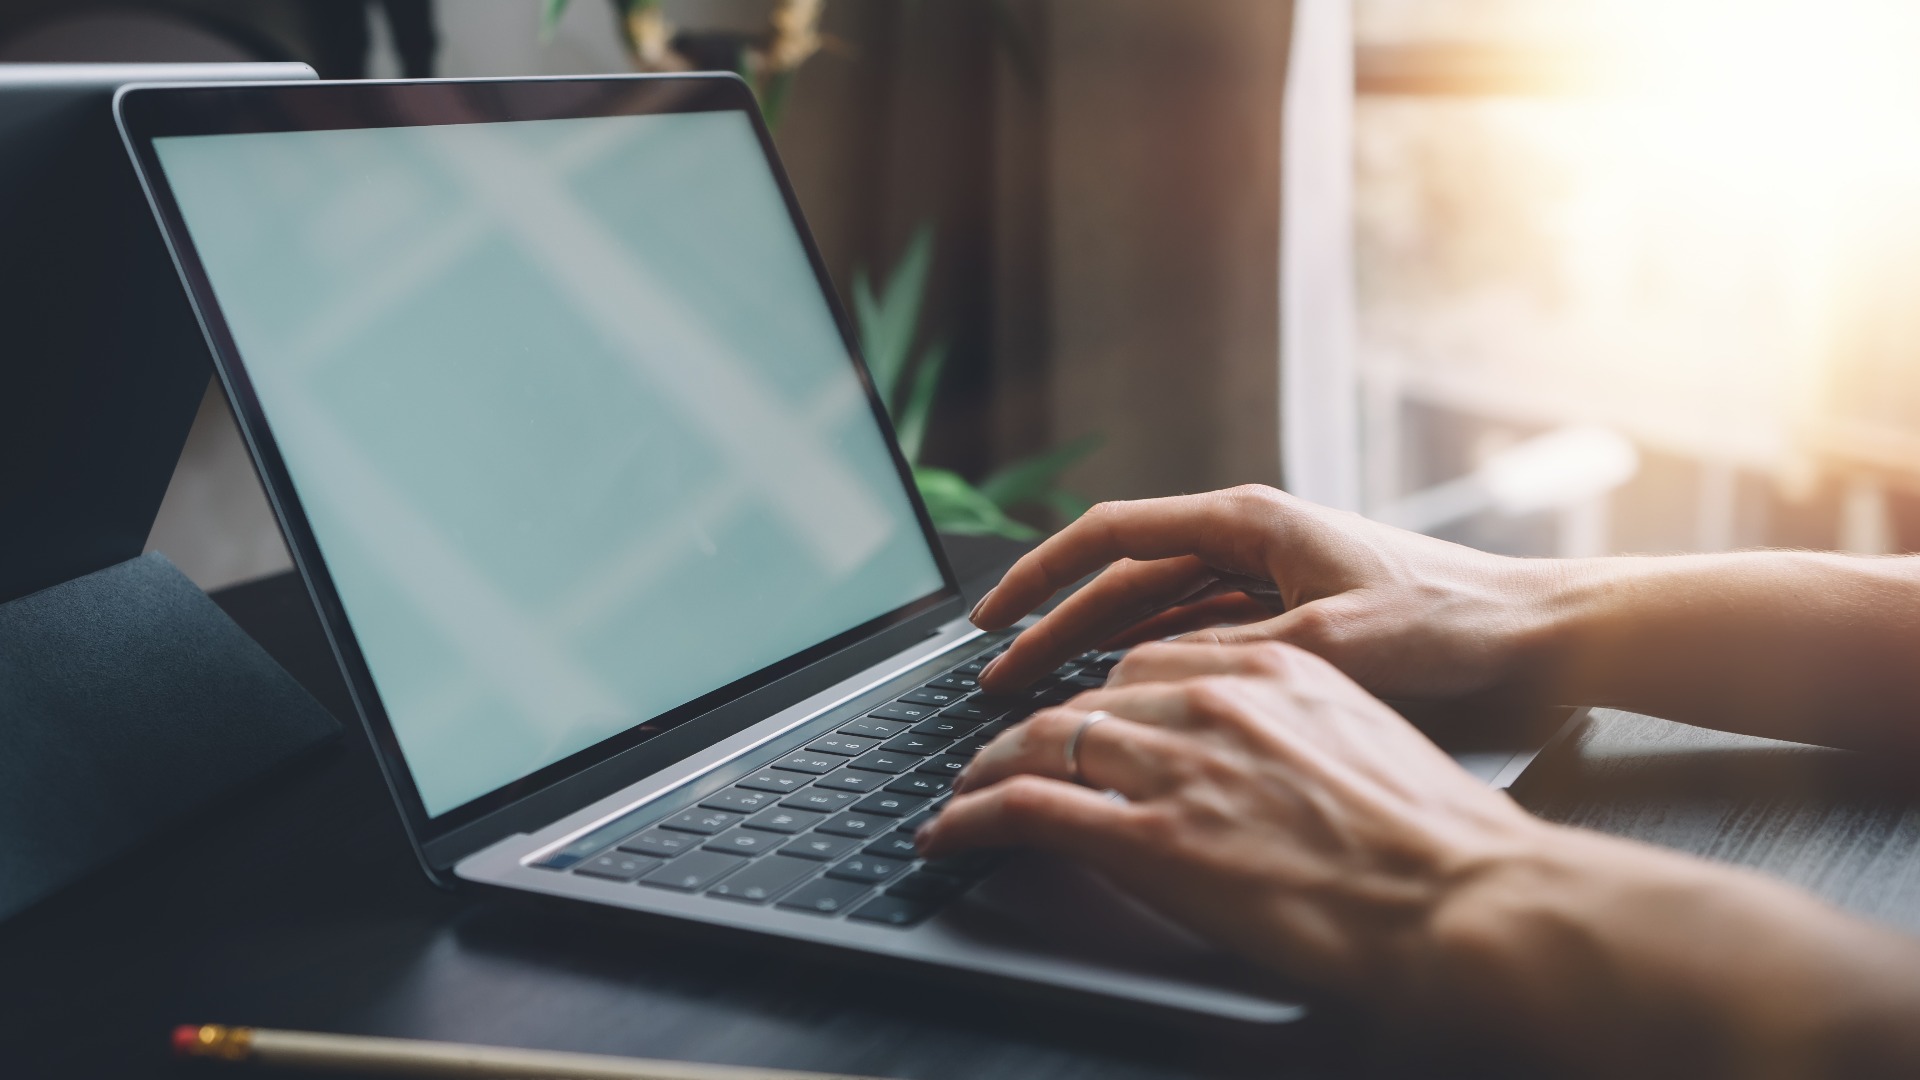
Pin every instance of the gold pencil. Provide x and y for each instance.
(307, 1049)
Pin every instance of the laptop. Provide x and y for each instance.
(104, 367)
(574, 449)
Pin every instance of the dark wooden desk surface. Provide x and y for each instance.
(297, 904)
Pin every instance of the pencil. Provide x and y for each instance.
(356, 1053)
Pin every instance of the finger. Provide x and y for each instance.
(1039, 813)
(1163, 705)
(1173, 661)
(1125, 593)
(1226, 529)
(1109, 752)
(1233, 609)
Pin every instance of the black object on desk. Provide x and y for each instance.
(101, 363)
(128, 700)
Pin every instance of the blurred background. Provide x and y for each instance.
(1572, 278)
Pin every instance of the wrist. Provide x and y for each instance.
(1635, 960)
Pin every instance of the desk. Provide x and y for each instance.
(298, 904)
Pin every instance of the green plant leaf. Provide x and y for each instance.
(866, 318)
(550, 14)
(773, 98)
(1066, 504)
(889, 322)
(958, 507)
(915, 411)
(1031, 479)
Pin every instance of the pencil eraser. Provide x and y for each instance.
(185, 1038)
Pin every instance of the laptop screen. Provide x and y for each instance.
(572, 423)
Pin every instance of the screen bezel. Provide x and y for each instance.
(146, 113)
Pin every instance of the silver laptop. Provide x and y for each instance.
(607, 527)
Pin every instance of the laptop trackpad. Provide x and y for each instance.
(1038, 903)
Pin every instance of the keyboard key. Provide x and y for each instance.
(976, 665)
(844, 745)
(805, 762)
(703, 822)
(762, 881)
(819, 848)
(821, 800)
(886, 761)
(658, 842)
(872, 728)
(694, 872)
(979, 710)
(743, 842)
(911, 743)
(888, 804)
(852, 824)
(978, 741)
(852, 780)
(903, 710)
(924, 885)
(963, 684)
(617, 866)
(893, 846)
(824, 897)
(911, 824)
(894, 911)
(867, 869)
(783, 821)
(776, 782)
(928, 695)
(920, 784)
(740, 800)
(945, 727)
(944, 765)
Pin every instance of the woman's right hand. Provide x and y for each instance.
(1404, 615)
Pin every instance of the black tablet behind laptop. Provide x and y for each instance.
(630, 581)
(101, 365)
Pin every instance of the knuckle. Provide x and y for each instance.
(1025, 799)
(1159, 825)
(1212, 697)
(1317, 627)
(1273, 657)
(1142, 655)
(1253, 494)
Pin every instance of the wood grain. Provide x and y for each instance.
(1844, 825)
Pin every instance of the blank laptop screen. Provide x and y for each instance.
(570, 418)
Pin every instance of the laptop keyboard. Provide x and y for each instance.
(827, 828)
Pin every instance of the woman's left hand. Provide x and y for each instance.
(1271, 805)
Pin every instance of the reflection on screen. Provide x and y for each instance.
(574, 428)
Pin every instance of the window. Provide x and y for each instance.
(1678, 235)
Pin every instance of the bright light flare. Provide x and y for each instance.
(1786, 104)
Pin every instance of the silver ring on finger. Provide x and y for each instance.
(1073, 742)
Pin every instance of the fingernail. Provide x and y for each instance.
(960, 783)
(987, 671)
(921, 835)
(974, 615)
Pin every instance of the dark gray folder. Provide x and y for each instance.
(128, 701)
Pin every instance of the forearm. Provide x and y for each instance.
(1792, 645)
(1619, 959)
